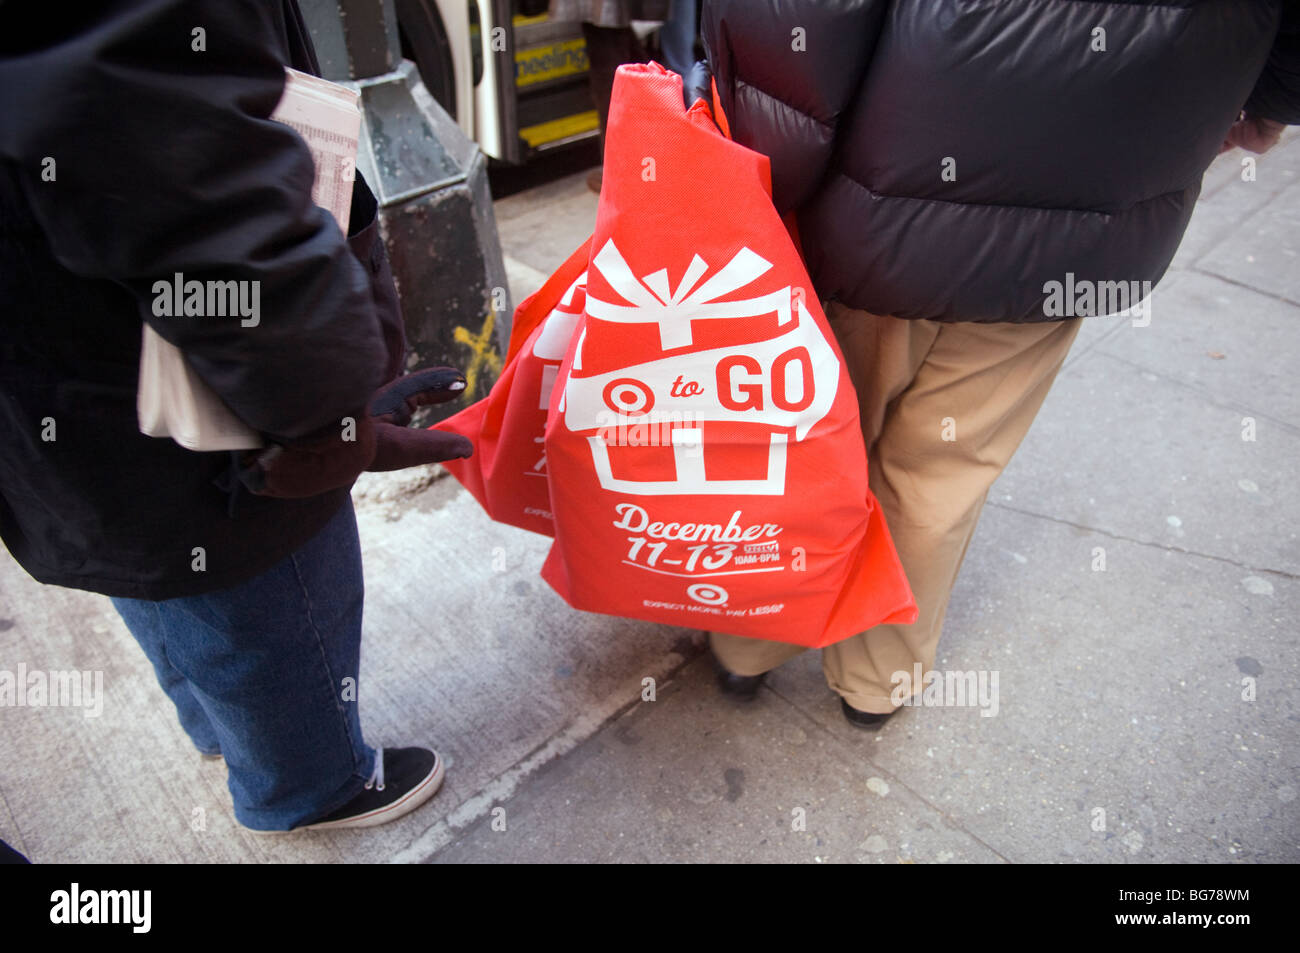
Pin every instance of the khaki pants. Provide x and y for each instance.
(943, 407)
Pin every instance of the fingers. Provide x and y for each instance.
(401, 398)
(397, 448)
(1254, 134)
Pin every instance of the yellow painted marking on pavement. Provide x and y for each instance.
(485, 352)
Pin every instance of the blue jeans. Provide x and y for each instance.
(257, 672)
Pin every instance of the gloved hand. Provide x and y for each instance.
(375, 440)
(396, 445)
(698, 84)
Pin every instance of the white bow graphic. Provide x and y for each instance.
(653, 301)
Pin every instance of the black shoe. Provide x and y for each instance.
(404, 778)
(866, 720)
(741, 687)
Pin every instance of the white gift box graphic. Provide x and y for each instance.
(557, 330)
(549, 347)
(787, 382)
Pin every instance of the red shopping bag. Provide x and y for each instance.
(507, 473)
(703, 452)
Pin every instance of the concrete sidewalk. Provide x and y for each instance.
(1126, 729)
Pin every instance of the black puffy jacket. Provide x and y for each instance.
(1074, 135)
(165, 161)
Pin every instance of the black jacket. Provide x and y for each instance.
(1065, 157)
(164, 161)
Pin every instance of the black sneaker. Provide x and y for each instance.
(867, 720)
(404, 778)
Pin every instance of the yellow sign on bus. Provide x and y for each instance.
(542, 63)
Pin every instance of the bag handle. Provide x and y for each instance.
(719, 116)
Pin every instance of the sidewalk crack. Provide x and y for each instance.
(1144, 542)
(18, 834)
(1241, 284)
(1201, 392)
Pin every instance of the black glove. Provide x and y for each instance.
(396, 445)
(698, 84)
(375, 440)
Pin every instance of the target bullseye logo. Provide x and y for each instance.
(707, 594)
(626, 395)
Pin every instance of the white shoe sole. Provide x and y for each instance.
(404, 805)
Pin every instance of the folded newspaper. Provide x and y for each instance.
(173, 401)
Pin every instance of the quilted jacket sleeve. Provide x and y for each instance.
(1277, 93)
(816, 52)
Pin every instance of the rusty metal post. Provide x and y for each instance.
(435, 206)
